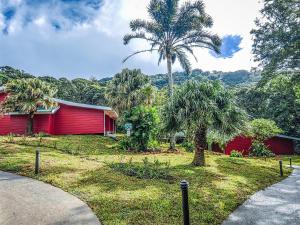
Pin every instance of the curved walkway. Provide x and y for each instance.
(25, 201)
(278, 204)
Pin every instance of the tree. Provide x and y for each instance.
(144, 122)
(124, 90)
(173, 31)
(278, 99)
(276, 38)
(149, 92)
(263, 129)
(201, 107)
(27, 96)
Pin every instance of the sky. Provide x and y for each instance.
(84, 38)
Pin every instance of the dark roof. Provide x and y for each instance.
(288, 137)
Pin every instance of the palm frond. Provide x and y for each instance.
(138, 52)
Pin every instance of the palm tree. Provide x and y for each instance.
(173, 31)
(124, 90)
(26, 96)
(149, 93)
(204, 107)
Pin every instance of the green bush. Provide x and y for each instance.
(125, 144)
(144, 122)
(154, 145)
(188, 146)
(259, 149)
(144, 170)
(236, 154)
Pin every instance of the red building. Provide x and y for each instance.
(66, 118)
(279, 145)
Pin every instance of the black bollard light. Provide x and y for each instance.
(37, 161)
(290, 162)
(185, 202)
(280, 167)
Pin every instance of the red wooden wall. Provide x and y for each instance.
(67, 120)
(76, 120)
(278, 145)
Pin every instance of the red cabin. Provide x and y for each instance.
(279, 145)
(67, 118)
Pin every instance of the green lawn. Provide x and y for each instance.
(78, 164)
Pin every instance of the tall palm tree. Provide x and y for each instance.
(202, 107)
(27, 96)
(174, 31)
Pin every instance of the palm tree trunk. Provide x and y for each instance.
(30, 124)
(200, 143)
(171, 94)
(170, 76)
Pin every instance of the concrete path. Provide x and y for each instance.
(278, 204)
(24, 201)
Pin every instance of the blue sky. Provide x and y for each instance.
(84, 37)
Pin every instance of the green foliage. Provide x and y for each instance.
(124, 90)
(278, 100)
(188, 146)
(125, 144)
(144, 170)
(236, 154)
(174, 30)
(26, 96)
(200, 107)
(144, 126)
(262, 129)
(276, 38)
(259, 149)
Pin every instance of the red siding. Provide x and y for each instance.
(109, 124)
(76, 120)
(4, 125)
(18, 124)
(2, 97)
(240, 143)
(278, 145)
(41, 124)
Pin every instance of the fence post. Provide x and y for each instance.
(280, 167)
(185, 202)
(37, 161)
(290, 162)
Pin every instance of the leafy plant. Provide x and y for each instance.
(259, 149)
(144, 122)
(236, 154)
(144, 170)
(125, 143)
(188, 146)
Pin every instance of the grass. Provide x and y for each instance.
(117, 199)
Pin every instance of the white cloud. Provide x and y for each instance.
(96, 48)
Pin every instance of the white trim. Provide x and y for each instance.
(41, 112)
(82, 105)
(104, 121)
(288, 137)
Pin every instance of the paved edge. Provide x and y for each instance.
(273, 205)
(26, 201)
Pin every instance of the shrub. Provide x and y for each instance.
(188, 146)
(259, 149)
(236, 154)
(125, 143)
(144, 122)
(144, 170)
(153, 145)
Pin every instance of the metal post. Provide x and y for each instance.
(280, 167)
(290, 162)
(185, 202)
(37, 161)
